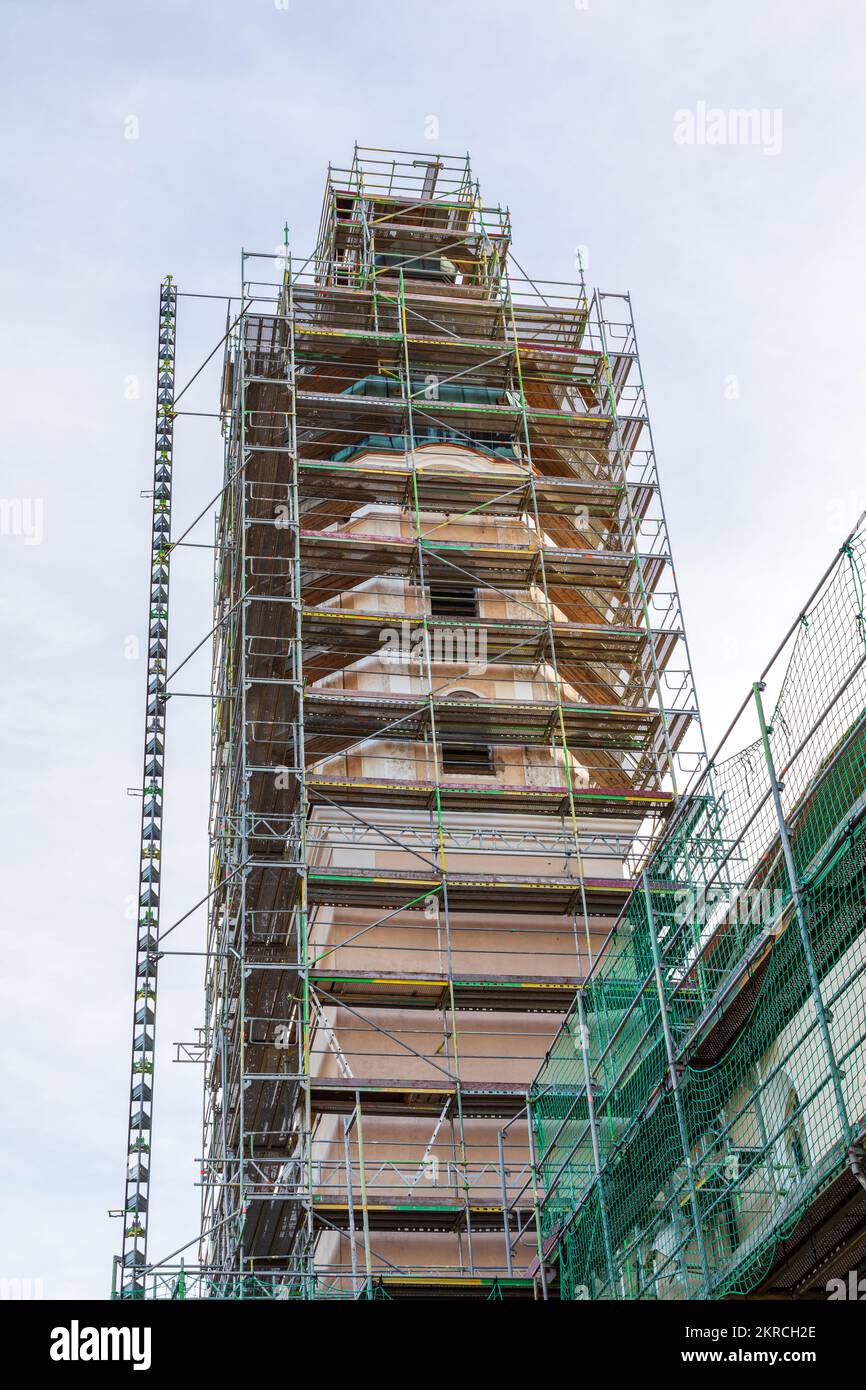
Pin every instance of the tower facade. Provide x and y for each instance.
(453, 708)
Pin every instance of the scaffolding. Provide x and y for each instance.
(137, 1183)
(453, 712)
(700, 1118)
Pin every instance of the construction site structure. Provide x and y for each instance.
(137, 1182)
(453, 711)
(701, 1116)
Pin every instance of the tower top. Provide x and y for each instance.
(417, 211)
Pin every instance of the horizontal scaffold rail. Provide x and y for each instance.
(493, 797)
(445, 489)
(528, 723)
(392, 989)
(494, 1100)
(333, 561)
(557, 894)
(525, 640)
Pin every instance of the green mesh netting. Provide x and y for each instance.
(700, 1169)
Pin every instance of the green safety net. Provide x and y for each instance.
(702, 1092)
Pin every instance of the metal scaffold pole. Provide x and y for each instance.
(674, 1080)
(138, 1174)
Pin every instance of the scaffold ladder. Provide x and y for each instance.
(138, 1174)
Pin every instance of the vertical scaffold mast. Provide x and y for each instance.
(137, 1188)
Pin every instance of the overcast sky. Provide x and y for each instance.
(593, 122)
